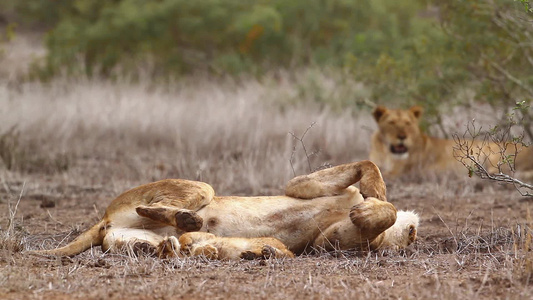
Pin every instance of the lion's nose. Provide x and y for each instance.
(402, 136)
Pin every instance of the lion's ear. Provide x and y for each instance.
(378, 112)
(417, 111)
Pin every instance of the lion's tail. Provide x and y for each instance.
(92, 237)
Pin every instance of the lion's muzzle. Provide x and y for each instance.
(398, 149)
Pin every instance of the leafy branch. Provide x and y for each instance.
(498, 142)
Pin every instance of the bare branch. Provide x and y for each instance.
(301, 140)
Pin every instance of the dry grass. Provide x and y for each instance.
(204, 131)
(475, 238)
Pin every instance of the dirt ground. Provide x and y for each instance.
(470, 245)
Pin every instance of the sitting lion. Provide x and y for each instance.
(319, 210)
(399, 146)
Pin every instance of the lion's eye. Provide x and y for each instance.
(407, 123)
(392, 122)
(411, 230)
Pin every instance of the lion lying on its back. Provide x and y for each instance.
(399, 146)
(319, 210)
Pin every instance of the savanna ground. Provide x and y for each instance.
(70, 146)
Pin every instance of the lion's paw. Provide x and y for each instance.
(373, 214)
(268, 252)
(142, 248)
(208, 251)
(248, 255)
(361, 213)
(188, 221)
(168, 248)
(185, 245)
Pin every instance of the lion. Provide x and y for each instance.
(321, 210)
(399, 146)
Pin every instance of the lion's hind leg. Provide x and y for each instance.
(140, 242)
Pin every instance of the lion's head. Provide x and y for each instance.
(399, 129)
(404, 231)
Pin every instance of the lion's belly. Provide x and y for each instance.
(295, 222)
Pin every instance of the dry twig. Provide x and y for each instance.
(476, 156)
(307, 155)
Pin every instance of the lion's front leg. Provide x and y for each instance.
(373, 216)
(225, 248)
(363, 229)
(264, 248)
(334, 180)
(208, 251)
(198, 244)
(274, 248)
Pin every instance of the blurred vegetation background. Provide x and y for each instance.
(436, 53)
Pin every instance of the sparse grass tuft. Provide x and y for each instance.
(16, 155)
(523, 249)
(11, 239)
(10, 150)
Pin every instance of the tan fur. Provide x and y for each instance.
(224, 248)
(319, 210)
(399, 131)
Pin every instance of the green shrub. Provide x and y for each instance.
(230, 36)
